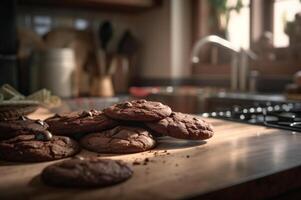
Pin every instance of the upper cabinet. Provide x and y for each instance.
(106, 5)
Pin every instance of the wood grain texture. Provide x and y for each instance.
(239, 161)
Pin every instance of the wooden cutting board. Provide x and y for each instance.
(239, 161)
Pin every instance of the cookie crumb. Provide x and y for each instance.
(146, 160)
(136, 163)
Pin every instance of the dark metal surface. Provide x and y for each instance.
(284, 116)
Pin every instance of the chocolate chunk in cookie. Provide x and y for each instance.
(121, 139)
(79, 123)
(43, 136)
(183, 126)
(88, 172)
(22, 126)
(138, 110)
(27, 148)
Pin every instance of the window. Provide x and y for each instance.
(284, 11)
(239, 24)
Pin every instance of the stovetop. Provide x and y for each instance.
(285, 116)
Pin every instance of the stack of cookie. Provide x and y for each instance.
(127, 127)
(26, 140)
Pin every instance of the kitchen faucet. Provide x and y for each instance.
(239, 58)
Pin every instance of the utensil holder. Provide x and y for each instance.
(102, 86)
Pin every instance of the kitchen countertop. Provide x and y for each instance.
(239, 160)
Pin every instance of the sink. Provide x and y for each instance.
(190, 99)
(187, 99)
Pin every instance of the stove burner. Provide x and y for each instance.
(290, 116)
(284, 116)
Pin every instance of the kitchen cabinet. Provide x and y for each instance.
(241, 161)
(107, 5)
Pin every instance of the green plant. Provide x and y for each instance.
(222, 12)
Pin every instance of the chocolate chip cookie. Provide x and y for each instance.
(138, 110)
(22, 126)
(121, 139)
(89, 172)
(79, 123)
(29, 148)
(183, 126)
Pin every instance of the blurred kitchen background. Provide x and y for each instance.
(195, 55)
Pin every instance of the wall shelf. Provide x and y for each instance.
(104, 5)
